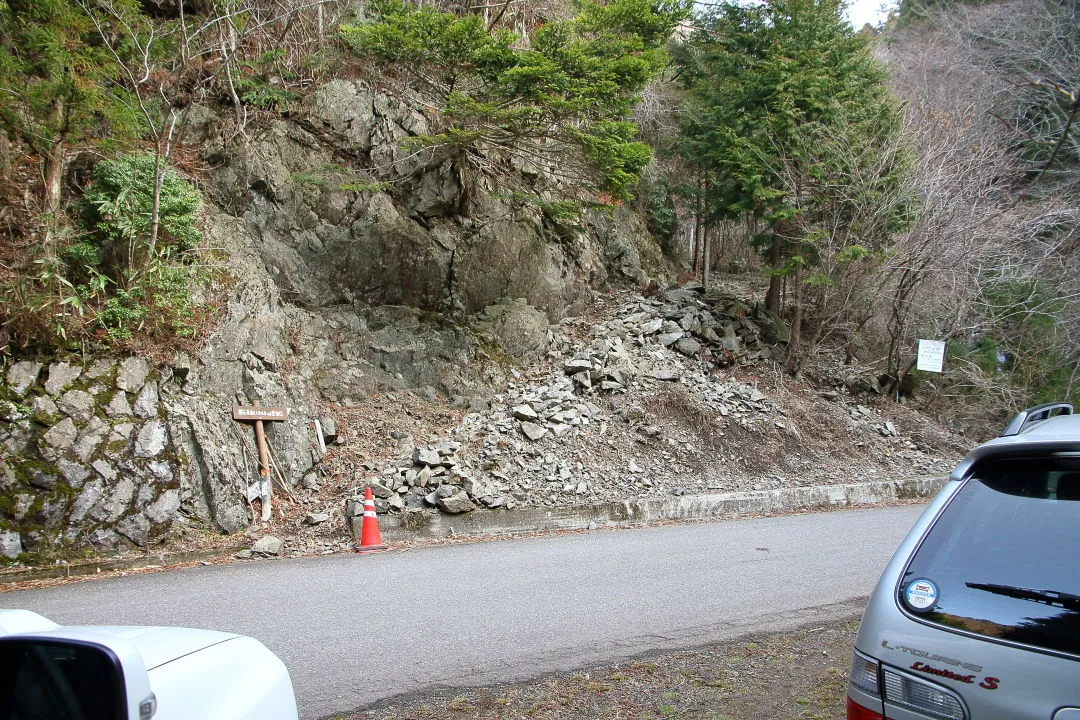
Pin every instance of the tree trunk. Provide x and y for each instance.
(464, 208)
(320, 24)
(794, 347)
(1071, 385)
(896, 326)
(52, 175)
(695, 243)
(706, 258)
(52, 162)
(772, 298)
(185, 43)
(161, 158)
(5, 157)
(897, 382)
(155, 212)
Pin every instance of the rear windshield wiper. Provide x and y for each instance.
(1047, 597)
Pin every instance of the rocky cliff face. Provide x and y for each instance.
(340, 214)
(350, 270)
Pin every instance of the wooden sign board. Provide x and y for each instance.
(240, 412)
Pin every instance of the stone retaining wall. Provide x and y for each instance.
(87, 456)
(114, 453)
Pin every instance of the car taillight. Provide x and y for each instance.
(864, 674)
(922, 696)
(865, 677)
(855, 711)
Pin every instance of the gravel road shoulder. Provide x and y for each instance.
(800, 674)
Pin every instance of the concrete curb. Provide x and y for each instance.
(415, 525)
(426, 525)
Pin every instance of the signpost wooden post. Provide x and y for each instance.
(258, 415)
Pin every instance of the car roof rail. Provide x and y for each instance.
(1026, 418)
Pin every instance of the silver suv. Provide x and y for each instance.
(977, 615)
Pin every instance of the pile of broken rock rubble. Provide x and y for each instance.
(580, 429)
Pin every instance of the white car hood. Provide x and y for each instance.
(156, 645)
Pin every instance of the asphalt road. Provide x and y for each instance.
(355, 629)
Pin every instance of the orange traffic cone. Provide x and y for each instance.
(370, 539)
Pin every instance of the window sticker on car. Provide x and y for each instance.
(921, 595)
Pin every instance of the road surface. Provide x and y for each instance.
(355, 629)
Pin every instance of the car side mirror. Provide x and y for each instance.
(64, 679)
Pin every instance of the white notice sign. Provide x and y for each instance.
(931, 355)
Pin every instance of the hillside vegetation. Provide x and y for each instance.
(917, 182)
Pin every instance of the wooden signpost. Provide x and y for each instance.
(258, 415)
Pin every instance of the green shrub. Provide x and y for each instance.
(81, 254)
(1025, 345)
(117, 208)
(656, 197)
(109, 282)
(121, 314)
(263, 95)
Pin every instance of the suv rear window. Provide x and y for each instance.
(1002, 555)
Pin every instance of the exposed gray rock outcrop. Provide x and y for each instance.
(10, 544)
(315, 195)
(520, 329)
(350, 270)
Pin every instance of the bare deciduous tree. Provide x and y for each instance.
(987, 256)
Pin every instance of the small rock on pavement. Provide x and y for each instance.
(268, 545)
